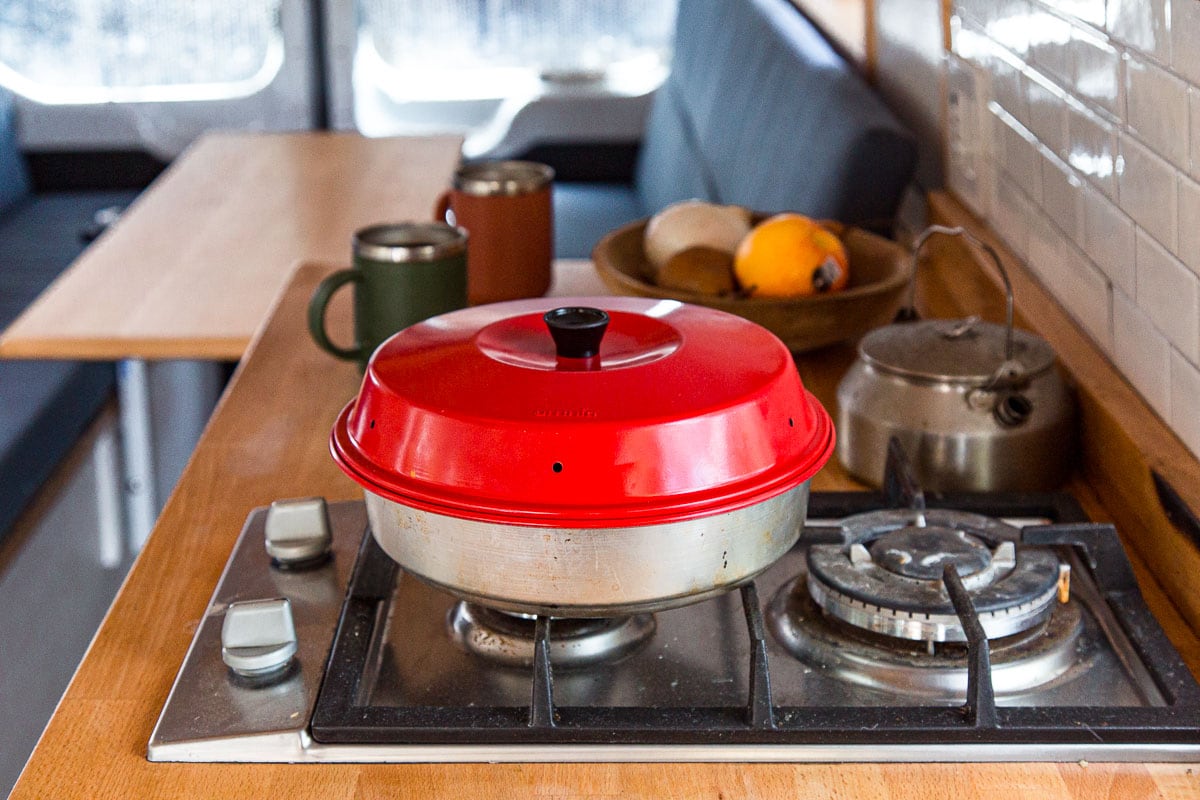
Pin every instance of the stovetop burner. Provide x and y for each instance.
(509, 639)
(1057, 650)
(886, 575)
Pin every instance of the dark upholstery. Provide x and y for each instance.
(14, 182)
(758, 110)
(40, 235)
(593, 207)
(44, 405)
(47, 405)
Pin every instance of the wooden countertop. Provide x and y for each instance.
(192, 267)
(267, 440)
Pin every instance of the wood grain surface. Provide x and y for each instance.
(267, 440)
(191, 268)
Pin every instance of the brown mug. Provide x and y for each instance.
(506, 208)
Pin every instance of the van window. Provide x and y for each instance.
(421, 50)
(103, 51)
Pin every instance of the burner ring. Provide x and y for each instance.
(508, 639)
(886, 576)
(930, 626)
(1062, 647)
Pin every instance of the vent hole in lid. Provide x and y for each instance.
(372, 423)
(557, 467)
(791, 423)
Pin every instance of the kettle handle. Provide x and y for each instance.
(910, 312)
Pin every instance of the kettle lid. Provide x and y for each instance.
(964, 351)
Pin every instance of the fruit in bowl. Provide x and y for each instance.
(878, 271)
(714, 229)
(721, 250)
(790, 255)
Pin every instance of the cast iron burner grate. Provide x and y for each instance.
(342, 714)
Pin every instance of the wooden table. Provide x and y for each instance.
(268, 440)
(190, 270)
(192, 267)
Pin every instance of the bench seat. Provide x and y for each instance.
(44, 405)
(758, 110)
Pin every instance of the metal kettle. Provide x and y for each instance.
(978, 406)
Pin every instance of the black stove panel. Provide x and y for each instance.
(717, 672)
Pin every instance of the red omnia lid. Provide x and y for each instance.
(684, 412)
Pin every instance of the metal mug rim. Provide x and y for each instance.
(409, 242)
(502, 178)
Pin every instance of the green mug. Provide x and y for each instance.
(403, 273)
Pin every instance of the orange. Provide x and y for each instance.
(790, 255)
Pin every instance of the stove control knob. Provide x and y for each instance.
(258, 637)
(298, 532)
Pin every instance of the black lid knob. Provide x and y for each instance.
(577, 330)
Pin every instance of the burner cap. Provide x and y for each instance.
(887, 576)
(922, 553)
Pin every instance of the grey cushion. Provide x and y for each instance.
(781, 121)
(583, 212)
(47, 405)
(40, 235)
(14, 180)
(671, 166)
(759, 110)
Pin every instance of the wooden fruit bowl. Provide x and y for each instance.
(879, 273)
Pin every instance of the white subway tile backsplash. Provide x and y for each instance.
(1012, 213)
(972, 10)
(1074, 129)
(1194, 102)
(1089, 299)
(1109, 239)
(1142, 354)
(1089, 11)
(1050, 44)
(1169, 294)
(967, 38)
(1017, 152)
(1047, 112)
(1143, 24)
(1008, 24)
(1007, 86)
(1189, 223)
(1047, 253)
(1068, 274)
(1185, 38)
(1062, 196)
(1096, 69)
(1092, 148)
(1185, 401)
(1147, 191)
(966, 145)
(1157, 108)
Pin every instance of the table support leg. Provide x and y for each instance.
(133, 391)
(106, 460)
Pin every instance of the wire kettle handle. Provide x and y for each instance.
(910, 309)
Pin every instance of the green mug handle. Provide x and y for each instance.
(316, 313)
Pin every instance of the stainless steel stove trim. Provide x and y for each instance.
(206, 702)
(271, 725)
(297, 747)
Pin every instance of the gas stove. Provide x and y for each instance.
(968, 627)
